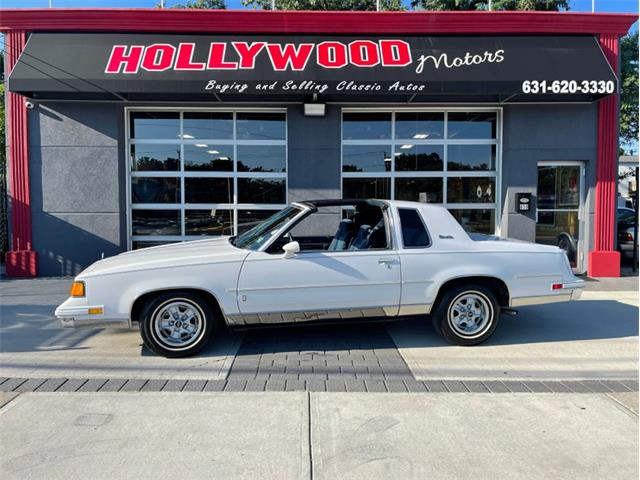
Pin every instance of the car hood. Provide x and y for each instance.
(217, 250)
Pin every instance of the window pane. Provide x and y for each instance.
(425, 190)
(414, 233)
(262, 158)
(208, 190)
(358, 126)
(476, 221)
(554, 228)
(144, 244)
(359, 158)
(212, 158)
(471, 157)
(357, 188)
(248, 219)
(208, 222)
(155, 190)
(155, 222)
(420, 125)
(261, 190)
(261, 126)
(155, 125)
(419, 158)
(471, 189)
(472, 125)
(157, 158)
(547, 187)
(207, 125)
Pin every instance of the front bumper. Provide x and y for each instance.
(74, 313)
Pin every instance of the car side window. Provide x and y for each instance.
(414, 233)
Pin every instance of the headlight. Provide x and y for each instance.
(77, 289)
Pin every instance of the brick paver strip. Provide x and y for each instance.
(415, 386)
(455, 386)
(292, 385)
(113, 385)
(353, 385)
(195, 385)
(234, 385)
(316, 386)
(557, 387)
(515, 386)
(375, 386)
(595, 386)
(72, 385)
(275, 385)
(475, 386)
(536, 387)
(93, 385)
(496, 386)
(435, 386)
(174, 386)
(134, 385)
(3, 379)
(255, 386)
(214, 385)
(30, 385)
(12, 384)
(335, 385)
(395, 386)
(51, 385)
(576, 387)
(631, 384)
(616, 386)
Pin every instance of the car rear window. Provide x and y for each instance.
(414, 233)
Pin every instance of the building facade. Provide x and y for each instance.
(129, 129)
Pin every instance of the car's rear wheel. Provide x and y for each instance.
(467, 315)
(177, 324)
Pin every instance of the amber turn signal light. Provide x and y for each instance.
(77, 289)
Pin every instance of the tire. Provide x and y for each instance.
(483, 315)
(163, 327)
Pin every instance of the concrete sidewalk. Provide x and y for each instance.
(303, 435)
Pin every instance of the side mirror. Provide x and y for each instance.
(290, 249)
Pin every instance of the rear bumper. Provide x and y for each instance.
(569, 291)
(73, 314)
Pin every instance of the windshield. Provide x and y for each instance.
(260, 234)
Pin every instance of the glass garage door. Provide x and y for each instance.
(203, 173)
(445, 157)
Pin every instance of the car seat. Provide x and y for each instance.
(360, 240)
(343, 236)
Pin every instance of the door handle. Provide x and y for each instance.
(385, 261)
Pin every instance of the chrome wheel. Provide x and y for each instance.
(178, 324)
(470, 314)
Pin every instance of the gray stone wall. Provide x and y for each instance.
(77, 189)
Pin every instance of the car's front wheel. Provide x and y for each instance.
(467, 315)
(176, 324)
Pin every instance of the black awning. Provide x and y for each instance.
(222, 67)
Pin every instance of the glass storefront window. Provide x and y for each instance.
(363, 126)
(471, 157)
(208, 222)
(471, 189)
(155, 157)
(425, 190)
(155, 125)
(201, 172)
(419, 125)
(212, 158)
(155, 190)
(419, 158)
(471, 125)
(475, 221)
(355, 188)
(365, 158)
(261, 126)
(208, 190)
(262, 158)
(448, 157)
(155, 222)
(208, 125)
(261, 190)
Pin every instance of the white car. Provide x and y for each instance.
(322, 261)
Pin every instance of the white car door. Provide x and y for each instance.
(319, 285)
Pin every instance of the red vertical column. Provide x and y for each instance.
(20, 259)
(604, 260)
